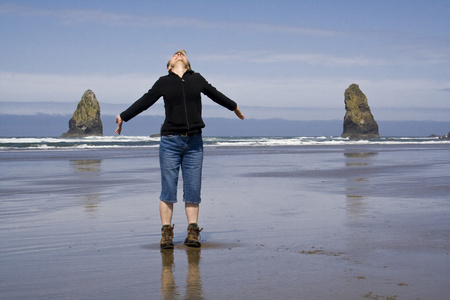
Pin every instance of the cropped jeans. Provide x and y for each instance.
(177, 151)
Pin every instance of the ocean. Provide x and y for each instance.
(57, 143)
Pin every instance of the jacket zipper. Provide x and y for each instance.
(185, 104)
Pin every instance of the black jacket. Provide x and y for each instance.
(182, 102)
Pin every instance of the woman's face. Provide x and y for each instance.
(176, 58)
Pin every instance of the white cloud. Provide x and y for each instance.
(65, 88)
(258, 62)
(78, 16)
(316, 58)
(251, 91)
(393, 47)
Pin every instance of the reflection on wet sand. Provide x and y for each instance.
(87, 165)
(355, 186)
(91, 203)
(88, 168)
(359, 154)
(169, 288)
(357, 183)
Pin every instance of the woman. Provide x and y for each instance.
(181, 140)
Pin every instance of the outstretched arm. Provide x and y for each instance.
(119, 122)
(238, 113)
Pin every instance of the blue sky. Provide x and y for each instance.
(284, 59)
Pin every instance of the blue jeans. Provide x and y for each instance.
(177, 151)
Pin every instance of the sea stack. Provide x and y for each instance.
(86, 118)
(359, 123)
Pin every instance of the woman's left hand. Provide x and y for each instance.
(238, 113)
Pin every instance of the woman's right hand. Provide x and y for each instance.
(119, 122)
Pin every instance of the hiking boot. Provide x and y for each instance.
(167, 237)
(192, 238)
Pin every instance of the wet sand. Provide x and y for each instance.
(359, 222)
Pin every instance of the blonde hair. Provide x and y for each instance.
(184, 53)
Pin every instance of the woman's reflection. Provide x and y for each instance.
(169, 288)
(193, 278)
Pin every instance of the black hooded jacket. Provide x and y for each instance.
(182, 102)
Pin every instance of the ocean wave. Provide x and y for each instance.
(104, 142)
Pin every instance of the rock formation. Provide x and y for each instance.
(443, 137)
(86, 118)
(358, 121)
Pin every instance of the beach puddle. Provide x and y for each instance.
(205, 246)
(372, 296)
(313, 251)
(322, 252)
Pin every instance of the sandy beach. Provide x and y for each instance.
(303, 222)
